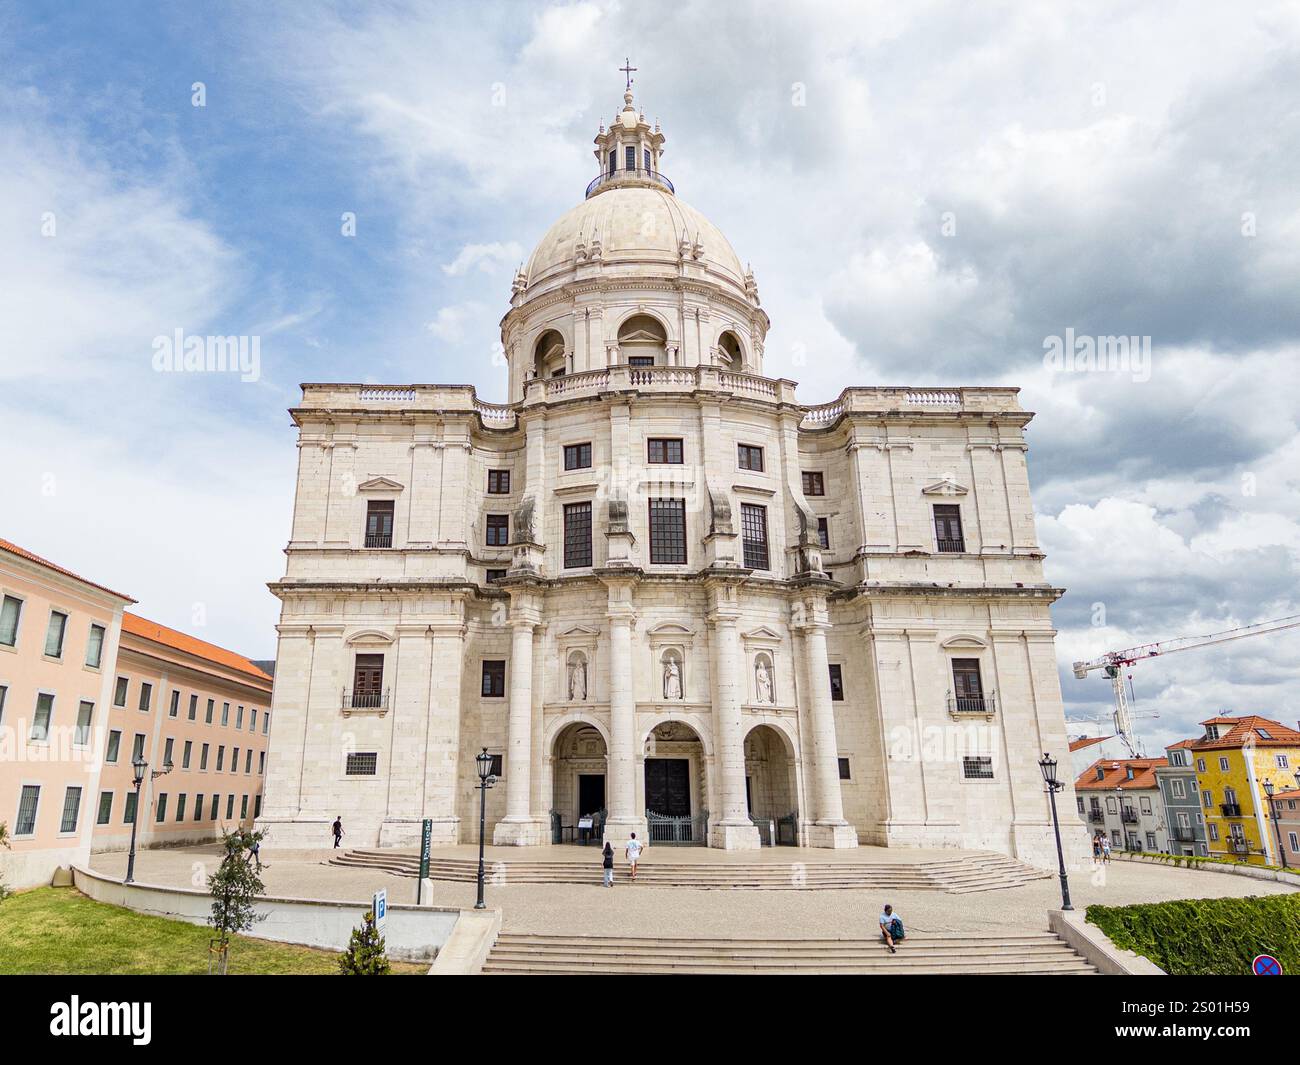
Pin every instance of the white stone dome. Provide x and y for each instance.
(638, 225)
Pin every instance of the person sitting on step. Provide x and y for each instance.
(891, 928)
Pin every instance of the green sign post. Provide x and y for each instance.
(426, 838)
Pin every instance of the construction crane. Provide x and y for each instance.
(1115, 662)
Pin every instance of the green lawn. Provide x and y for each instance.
(60, 931)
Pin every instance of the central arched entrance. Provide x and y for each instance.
(675, 788)
(771, 785)
(578, 766)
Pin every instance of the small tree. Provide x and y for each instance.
(4, 842)
(365, 955)
(234, 888)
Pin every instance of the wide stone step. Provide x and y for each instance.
(893, 965)
(723, 957)
(539, 941)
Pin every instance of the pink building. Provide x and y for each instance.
(85, 688)
(1286, 810)
(58, 646)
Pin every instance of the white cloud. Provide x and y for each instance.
(486, 258)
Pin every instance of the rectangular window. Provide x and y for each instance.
(160, 811)
(257, 806)
(137, 747)
(243, 808)
(577, 456)
(41, 718)
(203, 757)
(497, 769)
(119, 692)
(837, 682)
(1200, 765)
(198, 807)
(362, 764)
(95, 646)
(824, 533)
(266, 722)
(207, 714)
(175, 706)
(234, 760)
(185, 754)
(261, 763)
(977, 767)
(180, 807)
(4, 697)
(85, 713)
(641, 360)
(71, 808)
(114, 746)
(1214, 832)
(221, 757)
(498, 530)
(248, 760)
(577, 535)
(379, 523)
(194, 708)
(499, 482)
(844, 769)
(368, 681)
(494, 679)
(753, 527)
(239, 718)
(494, 575)
(947, 527)
(54, 634)
(10, 612)
(1282, 762)
(1223, 764)
(629, 157)
(146, 696)
(25, 823)
(167, 751)
(664, 450)
(105, 808)
(667, 531)
(750, 457)
(613, 161)
(967, 686)
(128, 808)
(1176, 786)
(1295, 844)
(216, 799)
(813, 484)
(252, 720)
(225, 714)
(645, 158)
(230, 807)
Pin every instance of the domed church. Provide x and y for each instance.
(662, 595)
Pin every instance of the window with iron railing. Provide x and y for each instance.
(577, 535)
(947, 528)
(968, 696)
(379, 523)
(667, 531)
(753, 526)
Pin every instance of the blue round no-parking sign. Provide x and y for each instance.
(1266, 965)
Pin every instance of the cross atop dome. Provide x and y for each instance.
(628, 152)
(628, 69)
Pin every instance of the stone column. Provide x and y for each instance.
(829, 828)
(733, 830)
(517, 828)
(623, 816)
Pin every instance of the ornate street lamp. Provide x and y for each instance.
(1048, 765)
(1277, 827)
(485, 781)
(138, 767)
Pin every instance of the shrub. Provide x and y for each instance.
(365, 955)
(1207, 937)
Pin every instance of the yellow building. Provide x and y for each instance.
(1233, 760)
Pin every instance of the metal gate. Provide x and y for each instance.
(687, 831)
(775, 831)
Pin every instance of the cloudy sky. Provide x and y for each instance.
(927, 192)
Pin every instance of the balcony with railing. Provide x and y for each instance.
(1230, 809)
(364, 700)
(1238, 846)
(984, 705)
(955, 547)
(1129, 816)
(379, 539)
(1096, 816)
(1182, 835)
(638, 176)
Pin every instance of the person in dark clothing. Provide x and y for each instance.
(607, 859)
(338, 829)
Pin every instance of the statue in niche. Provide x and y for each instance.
(672, 679)
(577, 679)
(763, 678)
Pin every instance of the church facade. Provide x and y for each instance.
(663, 594)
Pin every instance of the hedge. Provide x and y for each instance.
(1194, 861)
(1207, 937)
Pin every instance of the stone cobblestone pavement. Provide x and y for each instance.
(637, 909)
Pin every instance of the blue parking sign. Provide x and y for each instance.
(380, 908)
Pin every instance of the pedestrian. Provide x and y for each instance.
(337, 829)
(255, 853)
(633, 853)
(1105, 849)
(607, 859)
(891, 928)
(1096, 849)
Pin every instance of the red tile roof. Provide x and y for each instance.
(180, 641)
(1247, 727)
(1293, 793)
(1087, 741)
(22, 552)
(1115, 774)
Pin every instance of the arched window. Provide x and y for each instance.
(730, 355)
(642, 341)
(549, 356)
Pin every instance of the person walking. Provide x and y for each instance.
(633, 853)
(337, 829)
(607, 860)
(1105, 850)
(891, 928)
(1096, 850)
(255, 854)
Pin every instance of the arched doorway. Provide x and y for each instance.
(770, 785)
(675, 785)
(643, 341)
(730, 355)
(549, 358)
(578, 766)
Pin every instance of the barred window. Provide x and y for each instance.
(662, 450)
(667, 531)
(494, 679)
(362, 764)
(977, 767)
(577, 535)
(577, 456)
(751, 458)
(28, 801)
(813, 484)
(498, 530)
(499, 482)
(71, 808)
(753, 525)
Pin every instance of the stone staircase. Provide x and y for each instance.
(965, 872)
(1039, 954)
